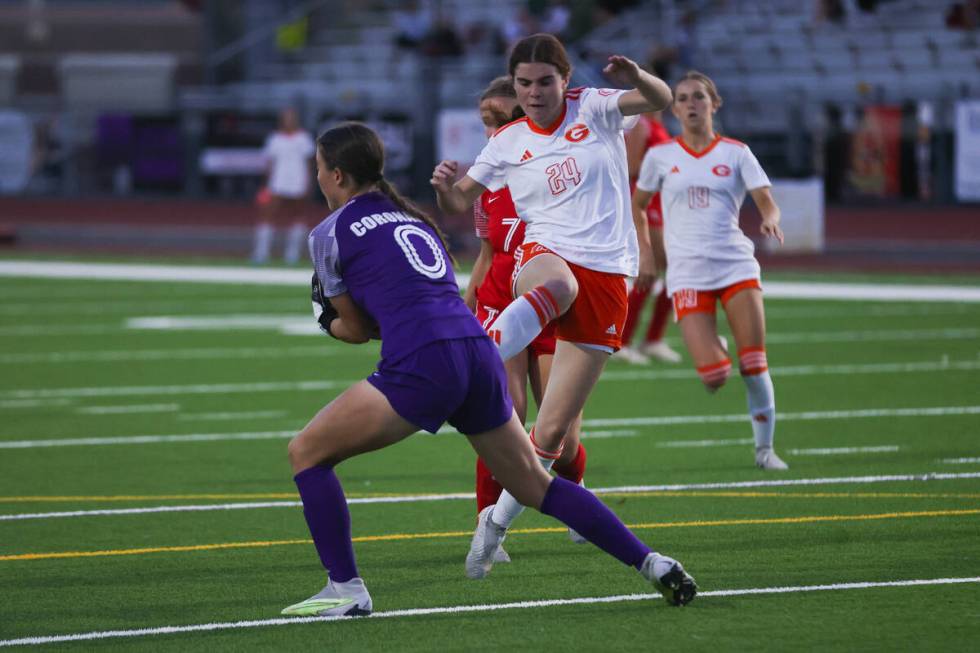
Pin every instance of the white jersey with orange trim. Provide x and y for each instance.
(569, 182)
(701, 194)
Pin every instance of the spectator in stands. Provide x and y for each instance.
(963, 15)
(413, 23)
(289, 155)
(442, 40)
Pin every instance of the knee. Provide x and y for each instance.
(300, 455)
(548, 440)
(564, 289)
(714, 376)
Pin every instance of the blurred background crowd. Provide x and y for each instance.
(172, 102)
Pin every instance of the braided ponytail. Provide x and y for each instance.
(410, 208)
(356, 149)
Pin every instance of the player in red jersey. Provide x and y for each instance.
(649, 131)
(501, 232)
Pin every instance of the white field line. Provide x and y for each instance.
(882, 335)
(329, 349)
(304, 325)
(45, 306)
(319, 385)
(614, 433)
(127, 272)
(126, 410)
(722, 442)
(204, 353)
(467, 496)
(255, 414)
(960, 461)
(289, 277)
(468, 609)
(937, 411)
(836, 451)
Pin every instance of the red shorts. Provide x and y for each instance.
(689, 300)
(598, 314)
(543, 345)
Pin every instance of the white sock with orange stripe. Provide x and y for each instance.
(760, 393)
(523, 320)
(507, 508)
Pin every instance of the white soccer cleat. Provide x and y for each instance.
(631, 356)
(349, 599)
(500, 555)
(670, 579)
(766, 458)
(486, 541)
(661, 351)
(723, 341)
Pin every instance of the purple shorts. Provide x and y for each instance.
(457, 381)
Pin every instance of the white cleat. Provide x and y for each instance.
(670, 579)
(661, 351)
(500, 555)
(723, 341)
(349, 599)
(486, 541)
(631, 356)
(766, 458)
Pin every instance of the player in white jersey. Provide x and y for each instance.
(289, 156)
(702, 179)
(565, 166)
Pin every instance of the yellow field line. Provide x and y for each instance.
(355, 495)
(422, 536)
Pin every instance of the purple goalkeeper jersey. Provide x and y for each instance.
(395, 267)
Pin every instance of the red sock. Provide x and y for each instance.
(487, 488)
(633, 311)
(661, 310)
(574, 470)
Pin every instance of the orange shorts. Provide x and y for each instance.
(598, 314)
(689, 300)
(543, 345)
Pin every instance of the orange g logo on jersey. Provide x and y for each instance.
(721, 170)
(576, 133)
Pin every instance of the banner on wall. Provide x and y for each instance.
(459, 136)
(876, 152)
(967, 166)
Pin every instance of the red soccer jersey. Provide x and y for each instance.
(656, 134)
(496, 220)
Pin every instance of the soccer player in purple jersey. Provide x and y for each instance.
(382, 268)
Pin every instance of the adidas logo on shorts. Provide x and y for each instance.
(611, 330)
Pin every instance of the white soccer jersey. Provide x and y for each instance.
(701, 194)
(289, 156)
(569, 182)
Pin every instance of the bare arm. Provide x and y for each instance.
(648, 270)
(454, 197)
(480, 269)
(352, 324)
(650, 93)
(770, 213)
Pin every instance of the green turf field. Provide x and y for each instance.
(879, 406)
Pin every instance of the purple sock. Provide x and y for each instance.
(325, 509)
(580, 509)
